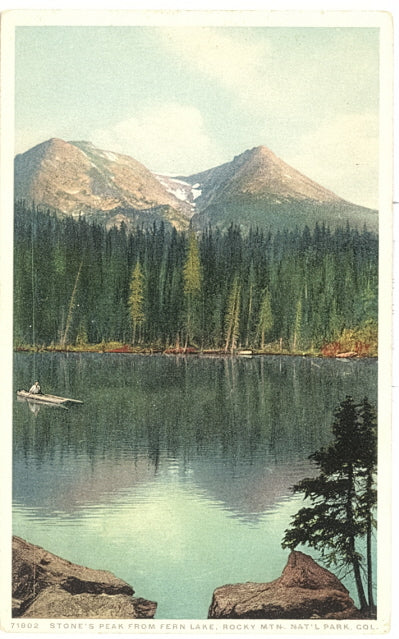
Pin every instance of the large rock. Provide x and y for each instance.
(47, 586)
(304, 591)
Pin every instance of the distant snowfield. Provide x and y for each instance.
(196, 191)
(182, 190)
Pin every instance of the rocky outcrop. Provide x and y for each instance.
(77, 177)
(304, 591)
(47, 586)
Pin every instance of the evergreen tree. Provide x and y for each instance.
(265, 318)
(192, 288)
(297, 326)
(189, 284)
(136, 300)
(250, 290)
(82, 336)
(342, 496)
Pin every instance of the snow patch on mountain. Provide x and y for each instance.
(110, 156)
(196, 191)
(183, 191)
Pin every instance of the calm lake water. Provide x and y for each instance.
(175, 474)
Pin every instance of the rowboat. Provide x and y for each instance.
(48, 399)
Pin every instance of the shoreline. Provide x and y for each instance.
(240, 353)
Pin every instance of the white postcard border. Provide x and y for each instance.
(242, 18)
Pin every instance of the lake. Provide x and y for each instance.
(176, 473)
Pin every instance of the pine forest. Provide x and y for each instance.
(78, 284)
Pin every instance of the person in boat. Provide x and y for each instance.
(35, 389)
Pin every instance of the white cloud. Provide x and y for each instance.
(169, 138)
(239, 65)
(342, 155)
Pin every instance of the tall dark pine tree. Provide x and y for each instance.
(368, 500)
(342, 496)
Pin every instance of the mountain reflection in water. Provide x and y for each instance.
(172, 448)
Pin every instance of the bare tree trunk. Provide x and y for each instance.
(372, 606)
(352, 550)
(249, 315)
(71, 307)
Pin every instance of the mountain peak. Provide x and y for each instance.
(259, 173)
(256, 188)
(76, 177)
(261, 151)
(259, 184)
(44, 147)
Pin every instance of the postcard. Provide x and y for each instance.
(196, 259)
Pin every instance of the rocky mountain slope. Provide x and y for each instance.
(76, 178)
(255, 189)
(259, 172)
(260, 187)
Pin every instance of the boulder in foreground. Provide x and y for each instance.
(47, 586)
(305, 590)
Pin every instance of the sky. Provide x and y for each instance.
(184, 99)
